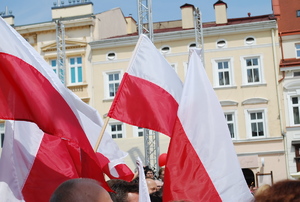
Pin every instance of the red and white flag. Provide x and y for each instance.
(31, 91)
(202, 164)
(149, 92)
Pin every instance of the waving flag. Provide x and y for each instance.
(150, 90)
(202, 164)
(31, 91)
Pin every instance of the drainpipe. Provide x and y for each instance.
(283, 133)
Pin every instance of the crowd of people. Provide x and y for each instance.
(83, 189)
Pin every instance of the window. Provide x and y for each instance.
(2, 130)
(295, 109)
(252, 70)
(223, 71)
(53, 64)
(256, 123)
(221, 43)
(76, 70)
(113, 82)
(165, 49)
(250, 40)
(140, 132)
(296, 74)
(297, 46)
(116, 130)
(230, 118)
(111, 56)
(193, 45)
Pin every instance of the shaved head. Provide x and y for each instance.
(80, 189)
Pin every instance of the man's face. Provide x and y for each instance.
(152, 187)
(149, 174)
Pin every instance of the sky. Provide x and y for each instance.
(36, 11)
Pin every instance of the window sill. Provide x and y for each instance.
(108, 99)
(227, 87)
(253, 85)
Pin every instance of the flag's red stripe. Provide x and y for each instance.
(25, 94)
(185, 176)
(51, 163)
(140, 102)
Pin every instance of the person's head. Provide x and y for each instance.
(149, 173)
(80, 189)
(123, 191)
(161, 173)
(285, 190)
(152, 187)
(159, 184)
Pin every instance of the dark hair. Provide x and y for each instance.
(121, 189)
(282, 191)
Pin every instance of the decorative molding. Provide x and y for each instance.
(292, 85)
(228, 103)
(69, 45)
(252, 101)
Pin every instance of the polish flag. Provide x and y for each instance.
(31, 91)
(149, 92)
(202, 164)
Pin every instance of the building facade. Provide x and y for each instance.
(242, 57)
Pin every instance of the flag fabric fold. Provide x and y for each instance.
(31, 91)
(149, 83)
(202, 164)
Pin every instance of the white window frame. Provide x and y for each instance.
(117, 131)
(290, 108)
(107, 82)
(250, 43)
(165, 52)
(264, 120)
(76, 66)
(297, 50)
(2, 131)
(109, 58)
(259, 67)
(234, 122)
(137, 130)
(216, 71)
(221, 45)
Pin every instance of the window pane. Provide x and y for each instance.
(229, 117)
(221, 79)
(119, 127)
(256, 75)
(259, 115)
(116, 76)
(260, 129)
(225, 65)
(296, 115)
(113, 136)
(255, 62)
(120, 135)
(111, 90)
(79, 69)
(53, 63)
(72, 61)
(79, 60)
(253, 116)
(110, 77)
(248, 62)
(295, 100)
(254, 129)
(117, 87)
(226, 78)
(249, 75)
(113, 128)
(73, 75)
(2, 139)
(220, 66)
(230, 127)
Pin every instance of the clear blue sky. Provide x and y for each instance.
(34, 11)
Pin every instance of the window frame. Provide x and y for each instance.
(107, 83)
(234, 122)
(250, 43)
(110, 58)
(163, 51)
(137, 130)
(216, 72)
(249, 122)
(221, 45)
(122, 130)
(75, 66)
(291, 109)
(297, 50)
(252, 67)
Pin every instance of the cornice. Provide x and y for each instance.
(51, 26)
(186, 34)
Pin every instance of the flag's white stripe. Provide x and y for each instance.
(17, 157)
(203, 121)
(145, 64)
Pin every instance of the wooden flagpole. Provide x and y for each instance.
(101, 134)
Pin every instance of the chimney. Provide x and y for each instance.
(187, 15)
(131, 25)
(61, 10)
(221, 12)
(8, 17)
